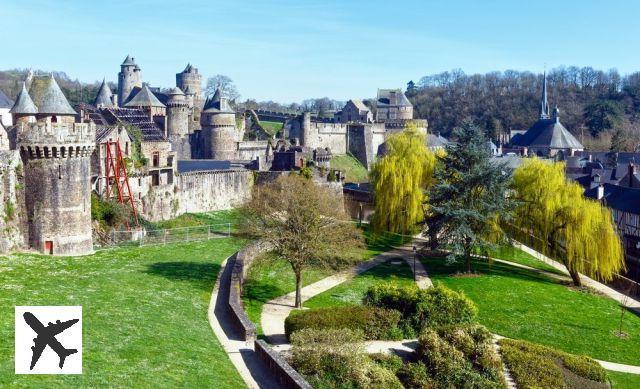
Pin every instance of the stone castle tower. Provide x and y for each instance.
(128, 79)
(218, 123)
(56, 155)
(178, 123)
(190, 82)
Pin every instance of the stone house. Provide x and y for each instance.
(354, 111)
(392, 104)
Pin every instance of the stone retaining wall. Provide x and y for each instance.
(286, 375)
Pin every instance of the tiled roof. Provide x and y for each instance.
(217, 103)
(128, 61)
(135, 117)
(618, 197)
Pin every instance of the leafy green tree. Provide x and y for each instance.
(469, 195)
(303, 222)
(555, 217)
(400, 181)
(601, 116)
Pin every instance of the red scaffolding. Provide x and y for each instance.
(117, 182)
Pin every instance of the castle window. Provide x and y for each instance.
(155, 178)
(156, 159)
(59, 172)
(54, 119)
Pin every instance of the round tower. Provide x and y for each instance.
(178, 123)
(57, 172)
(218, 123)
(305, 133)
(128, 79)
(190, 80)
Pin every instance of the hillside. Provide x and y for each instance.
(593, 104)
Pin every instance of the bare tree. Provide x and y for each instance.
(304, 222)
(225, 84)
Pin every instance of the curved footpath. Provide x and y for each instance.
(275, 312)
(242, 354)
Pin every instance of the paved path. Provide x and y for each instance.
(275, 311)
(242, 355)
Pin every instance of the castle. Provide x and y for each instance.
(187, 153)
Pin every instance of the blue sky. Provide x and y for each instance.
(290, 50)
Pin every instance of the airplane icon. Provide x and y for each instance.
(47, 337)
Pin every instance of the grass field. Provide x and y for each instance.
(144, 314)
(271, 127)
(353, 169)
(521, 304)
(200, 219)
(624, 380)
(273, 277)
(352, 291)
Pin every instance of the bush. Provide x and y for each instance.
(335, 358)
(415, 375)
(390, 362)
(536, 365)
(109, 212)
(431, 307)
(460, 356)
(374, 322)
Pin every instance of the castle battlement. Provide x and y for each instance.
(50, 134)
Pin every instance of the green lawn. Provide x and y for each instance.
(352, 291)
(624, 380)
(273, 277)
(199, 219)
(521, 304)
(353, 169)
(144, 314)
(516, 255)
(271, 127)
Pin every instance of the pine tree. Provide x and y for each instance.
(469, 195)
(400, 181)
(555, 217)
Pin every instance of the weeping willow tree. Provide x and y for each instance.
(555, 217)
(400, 181)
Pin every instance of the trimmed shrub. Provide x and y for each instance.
(431, 307)
(540, 366)
(390, 362)
(374, 322)
(338, 362)
(331, 336)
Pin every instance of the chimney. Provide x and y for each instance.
(600, 192)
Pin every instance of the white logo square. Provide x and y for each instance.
(48, 339)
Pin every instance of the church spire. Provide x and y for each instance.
(544, 104)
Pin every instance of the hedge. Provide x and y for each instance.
(376, 323)
(534, 365)
(420, 308)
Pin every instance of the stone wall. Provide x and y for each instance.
(197, 192)
(13, 228)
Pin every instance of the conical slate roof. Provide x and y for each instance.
(217, 103)
(48, 97)
(5, 102)
(103, 98)
(128, 61)
(548, 133)
(175, 91)
(144, 98)
(24, 104)
(188, 69)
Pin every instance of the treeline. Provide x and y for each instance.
(597, 106)
(75, 90)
